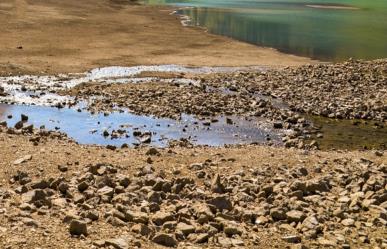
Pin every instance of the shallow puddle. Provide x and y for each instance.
(350, 134)
(38, 90)
(89, 129)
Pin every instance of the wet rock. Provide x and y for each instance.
(19, 125)
(277, 125)
(24, 117)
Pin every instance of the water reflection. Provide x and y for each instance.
(359, 31)
(89, 129)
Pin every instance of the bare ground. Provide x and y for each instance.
(47, 36)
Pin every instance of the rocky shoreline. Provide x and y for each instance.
(55, 191)
(351, 90)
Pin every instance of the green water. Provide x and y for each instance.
(293, 27)
(350, 134)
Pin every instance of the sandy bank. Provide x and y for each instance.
(75, 36)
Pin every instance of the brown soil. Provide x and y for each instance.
(48, 36)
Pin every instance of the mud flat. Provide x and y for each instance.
(48, 37)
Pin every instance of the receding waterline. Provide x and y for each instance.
(334, 31)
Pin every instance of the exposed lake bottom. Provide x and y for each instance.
(160, 105)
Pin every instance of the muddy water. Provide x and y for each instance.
(88, 129)
(350, 134)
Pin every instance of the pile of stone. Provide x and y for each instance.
(343, 205)
(350, 90)
(22, 127)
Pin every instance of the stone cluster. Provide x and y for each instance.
(340, 206)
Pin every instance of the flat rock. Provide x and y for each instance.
(185, 228)
(119, 243)
(22, 160)
(295, 216)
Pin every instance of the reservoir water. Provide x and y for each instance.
(332, 30)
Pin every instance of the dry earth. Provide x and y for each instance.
(47, 36)
(55, 193)
(342, 205)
